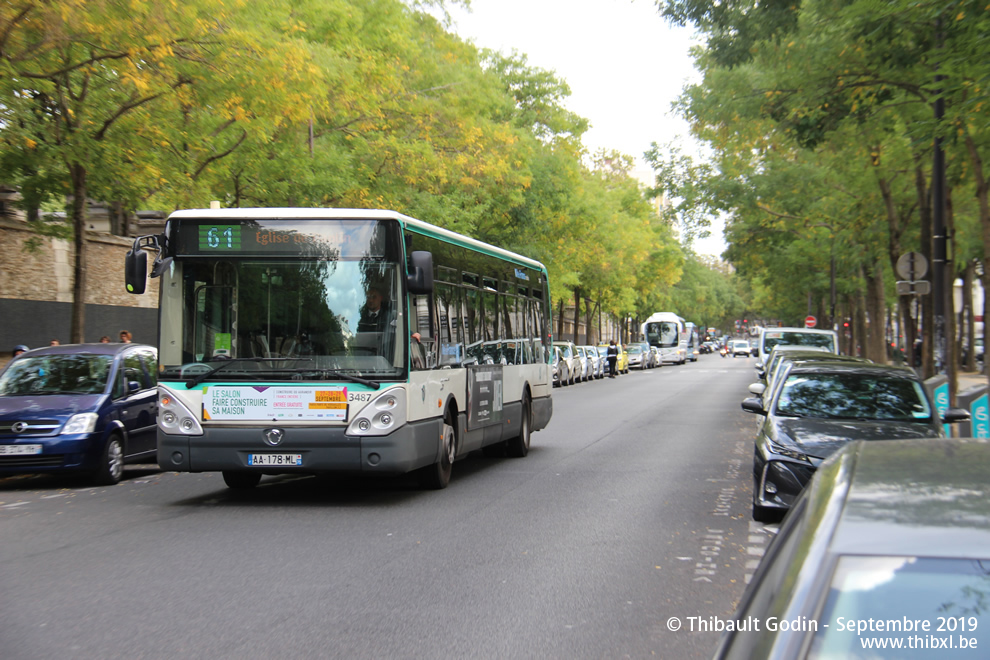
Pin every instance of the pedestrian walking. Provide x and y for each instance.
(612, 355)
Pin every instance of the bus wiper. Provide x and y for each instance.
(374, 384)
(337, 375)
(196, 380)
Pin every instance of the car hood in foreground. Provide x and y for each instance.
(48, 406)
(822, 437)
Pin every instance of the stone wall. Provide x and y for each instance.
(36, 290)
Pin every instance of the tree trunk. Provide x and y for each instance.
(577, 317)
(875, 341)
(77, 330)
(927, 306)
(859, 319)
(118, 219)
(560, 320)
(968, 333)
(984, 202)
(895, 229)
(589, 323)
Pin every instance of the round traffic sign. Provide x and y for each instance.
(912, 266)
(810, 321)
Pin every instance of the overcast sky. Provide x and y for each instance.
(623, 64)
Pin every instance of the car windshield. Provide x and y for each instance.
(56, 374)
(853, 395)
(634, 349)
(907, 591)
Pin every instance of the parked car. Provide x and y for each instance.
(597, 363)
(560, 367)
(83, 408)
(778, 358)
(811, 337)
(818, 407)
(888, 545)
(587, 370)
(639, 356)
(575, 363)
(655, 356)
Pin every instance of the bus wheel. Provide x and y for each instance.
(241, 480)
(437, 476)
(519, 446)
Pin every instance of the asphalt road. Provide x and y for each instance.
(631, 508)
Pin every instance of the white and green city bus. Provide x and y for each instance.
(276, 358)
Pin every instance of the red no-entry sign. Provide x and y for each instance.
(810, 321)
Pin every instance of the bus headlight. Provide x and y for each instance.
(382, 416)
(174, 417)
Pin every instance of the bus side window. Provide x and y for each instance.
(449, 343)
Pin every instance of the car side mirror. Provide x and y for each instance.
(133, 386)
(753, 405)
(955, 415)
(757, 388)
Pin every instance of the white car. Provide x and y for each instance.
(596, 360)
(575, 363)
(740, 347)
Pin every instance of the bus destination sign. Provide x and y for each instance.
(320, 239)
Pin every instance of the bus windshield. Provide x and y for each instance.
(283, 319)
(664, 334)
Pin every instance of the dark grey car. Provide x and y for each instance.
(885, 555)
(814, 408)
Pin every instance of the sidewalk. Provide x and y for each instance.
(968, 379)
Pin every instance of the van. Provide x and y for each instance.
(811, 337)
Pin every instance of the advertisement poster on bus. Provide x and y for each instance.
(484, 395)
(260, 403)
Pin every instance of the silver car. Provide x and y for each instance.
(887, 550)
(575, 368)
(596, 360)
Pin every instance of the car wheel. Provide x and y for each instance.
(111, 467)
(240, 480)
(437, 476)
(519, 446)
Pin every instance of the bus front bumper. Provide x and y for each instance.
(322, 449)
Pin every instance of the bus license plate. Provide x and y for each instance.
(268, 460)
(19, 450)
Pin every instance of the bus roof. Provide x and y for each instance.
(657, 317)
(417, 226)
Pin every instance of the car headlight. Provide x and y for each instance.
(81, 423)
(174, 417)
(383, 415)
(787, 451)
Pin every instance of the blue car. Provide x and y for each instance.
(80, 408)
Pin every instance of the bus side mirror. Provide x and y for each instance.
(420, 277)
(136, 270)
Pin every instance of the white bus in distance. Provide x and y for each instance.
(668, 332)
(693, 342)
